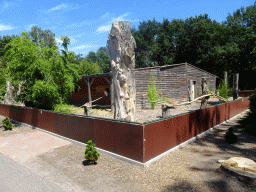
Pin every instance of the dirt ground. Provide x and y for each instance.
(192, 168)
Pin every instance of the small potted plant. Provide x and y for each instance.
(91, 153)
(7, 124)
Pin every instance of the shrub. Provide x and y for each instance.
(45, 95)
(64, 108)
(247, 123)
(153, 94)
(169, 100)
(7, 124)
(224, 90)
(91, 153)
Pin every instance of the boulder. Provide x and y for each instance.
(244, 166)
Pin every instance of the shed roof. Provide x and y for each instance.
(109, 73)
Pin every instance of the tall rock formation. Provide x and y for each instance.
(120, 48)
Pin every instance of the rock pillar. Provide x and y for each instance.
(120, 48)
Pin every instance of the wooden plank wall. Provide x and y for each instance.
(196, 74)
(171, 81)
(81, 97)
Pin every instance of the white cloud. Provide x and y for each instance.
(5, 27)
(58, 7)
(80, 35)
(58, 40)
(81, 47)
(104, 28)
(120, 18)
(105, 15)
(29, 28)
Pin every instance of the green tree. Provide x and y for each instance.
(38, 36)
(146, 44)
(241, 33)
(103, 59)
(3, 73)
(88, 67)
(92, 56)
(44, 71)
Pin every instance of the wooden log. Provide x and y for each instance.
(111, 93)
(86, 110)
(225, 77)
(165, 111)
(235, 85)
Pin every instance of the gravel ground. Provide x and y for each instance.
(144, 115)
(192, 168)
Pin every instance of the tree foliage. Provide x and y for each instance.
(101, 58)
(43, 38)
(48, 76)
(203, 42)
(3, 73)
(88, 67)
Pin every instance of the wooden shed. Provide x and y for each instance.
(176, 81)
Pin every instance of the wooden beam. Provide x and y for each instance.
(235, 85)
(111, 93)
(112, 96)
(89, 89)
(108, 80)
(225, 77)
(204, 92)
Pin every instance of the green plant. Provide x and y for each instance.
(167, 99)
(247, 123)
(91, 153)
(152, 92)
(7, 124)
(64, 108)
(224, 90)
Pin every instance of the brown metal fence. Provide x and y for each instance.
(139, 142)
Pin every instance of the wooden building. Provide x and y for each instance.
(176, 81)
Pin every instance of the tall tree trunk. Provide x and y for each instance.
(120, 48)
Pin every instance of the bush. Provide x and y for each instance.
(224, 90)
(45, 95)
(7, 124)
(169, 100)
(91, 153)
(247, 123)
(153, 95)
(64, 108)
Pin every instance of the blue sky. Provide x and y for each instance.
(88, 23)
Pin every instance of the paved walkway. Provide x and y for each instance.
(16, 177)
